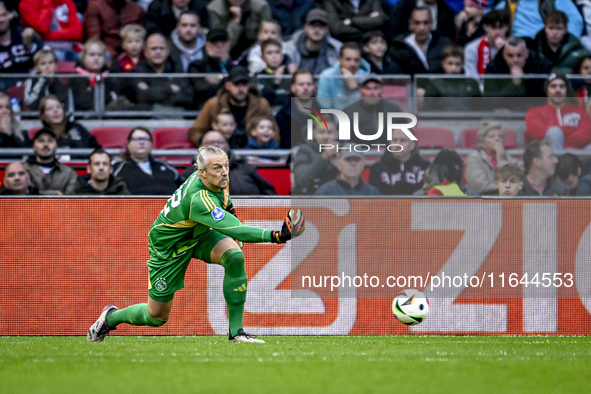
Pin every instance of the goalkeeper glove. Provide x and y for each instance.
(293, 226)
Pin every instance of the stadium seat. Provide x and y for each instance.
(33, 131)
(171, 138)
(112, 137)
(65, 67)
(434, 137)
(470, 138)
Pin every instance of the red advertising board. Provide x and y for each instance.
(488, 266)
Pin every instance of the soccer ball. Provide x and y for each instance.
(410, 307)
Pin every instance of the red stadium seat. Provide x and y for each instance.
(112, 137)
(470, 138)
(172, 138)
(434, 137)
(65, 67)
(33, 131)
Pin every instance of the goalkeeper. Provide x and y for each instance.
(198, 221)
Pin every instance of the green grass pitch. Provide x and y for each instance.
(325, 364)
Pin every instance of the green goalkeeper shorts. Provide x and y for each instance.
(169, 276)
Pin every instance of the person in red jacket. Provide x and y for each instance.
(53, 20)
(567, 126)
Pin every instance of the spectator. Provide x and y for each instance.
(262, 133)
(421, 51)
(143, 174)
(447, 169)
(162, 16)
(160, 94)
(270, 30)
(399, 172)
(291, 124)
(482, 165)
(11, 134)
(187, 41)
(469, 21)
(272, 83)
(540, 164)
(56, 22)
(313, 166)
(375, 52)
(430, 179)
(104, 20)
(442, 18)
(568, 172)
(244, 178)
(225, 123)
(290, 14)
(92, 64)
(100, 180)
(369, 107)
(313, 48)
(47, 174)
(241, 18)
(478, 53)
(447, 188)
(16, 47)
(46, 83)
(216, 60)
(567, 126)
(68, 133)
(509, 180)
(516, 59)
(349, 20)
(557, 45)
(342, 78)
(583, 88)
(527, 16)
(237, 96)
(451, 94)
(17, 181)
(132, 42)
(348, 181)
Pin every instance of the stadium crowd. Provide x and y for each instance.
(249, 57)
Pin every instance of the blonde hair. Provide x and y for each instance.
(14, 123)
(486, 127)
(43, 53)
(132, 28)
(93, 41)
(203, 154)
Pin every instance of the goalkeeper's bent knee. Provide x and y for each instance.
(233, 262)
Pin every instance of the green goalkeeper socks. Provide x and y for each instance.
(137, 315)
(234, 287)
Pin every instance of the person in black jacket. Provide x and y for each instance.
(145, 93)
(17, 181)
(69, 133)
(162, 14)
(399, 172)
(100, 179)
(516, 59)
(405, 49)
(142, 173)
(401, 12)
(244, 178)
(216, 60)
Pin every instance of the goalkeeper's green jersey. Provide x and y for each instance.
(192, 211)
